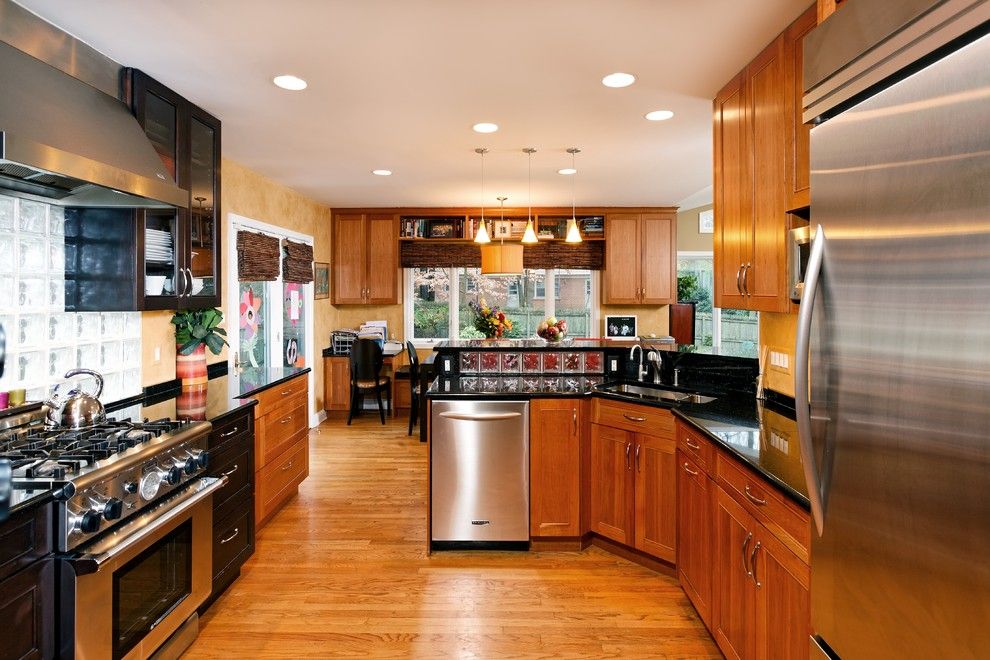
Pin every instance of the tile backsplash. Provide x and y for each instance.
(43, 340)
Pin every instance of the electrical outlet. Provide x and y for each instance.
(780, 360)
(446, 365)
(613, 365)
(158, 354)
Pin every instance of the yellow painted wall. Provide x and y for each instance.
(650, 319)
(251, 195)
(777, 333)
(688, 238)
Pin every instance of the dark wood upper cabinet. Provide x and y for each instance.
(145, 259)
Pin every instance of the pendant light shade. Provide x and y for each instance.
(573, 233)
(529, 237)
(481, 236)
(502, 258)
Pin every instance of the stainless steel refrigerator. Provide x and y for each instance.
(895, 428)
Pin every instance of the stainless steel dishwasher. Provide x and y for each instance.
(479, 454)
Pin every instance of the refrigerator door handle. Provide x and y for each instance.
(802, 398)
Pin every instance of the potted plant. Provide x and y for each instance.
(195, 330)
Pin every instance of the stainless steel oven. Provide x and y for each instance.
(137, 587)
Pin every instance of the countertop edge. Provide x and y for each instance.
(277, 381)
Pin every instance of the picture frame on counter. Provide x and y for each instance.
(321, 280)
(621, 327)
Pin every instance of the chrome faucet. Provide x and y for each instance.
(654, 358)
(640, 372)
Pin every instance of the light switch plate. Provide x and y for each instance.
(446, 365)
(780, 361)
(613, 365)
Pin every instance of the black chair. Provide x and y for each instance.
(366, 369)
(413, 386)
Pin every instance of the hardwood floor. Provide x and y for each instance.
(342, 570)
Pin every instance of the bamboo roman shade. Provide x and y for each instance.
(257, 257)
(425, 254)
(297, 266)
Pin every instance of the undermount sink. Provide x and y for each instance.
(655, 393)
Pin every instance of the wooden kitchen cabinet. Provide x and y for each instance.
(762, 600)
(695, 520)
(760, 171)
(634, 477)
(281, 445)
(555, 467)
(366, 259)
(640, 259)
(337, 383)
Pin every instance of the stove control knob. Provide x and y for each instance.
(131, 487)
(113, 509)
(90, 521)
(173, 476)
(189, 466)
(202, 458)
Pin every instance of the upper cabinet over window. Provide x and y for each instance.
(365, 259)
(760, 171)
(640, 259)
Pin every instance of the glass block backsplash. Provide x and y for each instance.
(43, 340)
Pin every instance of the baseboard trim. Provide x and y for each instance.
(557, 544)
(635, 556)
(317, 418)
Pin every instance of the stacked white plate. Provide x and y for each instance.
(158, 246)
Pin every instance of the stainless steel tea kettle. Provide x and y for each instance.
(80, 409)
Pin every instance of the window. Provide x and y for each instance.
(439, 300)
(731, 331)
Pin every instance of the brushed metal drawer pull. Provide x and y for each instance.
(744, 545)
(690, 471)
(230, 471)
(752, 563)
(739, 279)
(638, 467)
(286, 466)
(754, 499)
(633, 418)
(628, 448)
(229, 433)
(286, 392)
(574, 419)
(691, 445)
(286, 420)
(237, 530)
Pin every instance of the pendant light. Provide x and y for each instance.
(502, 258)
(573, 233)
(481, 236)
(529, 238)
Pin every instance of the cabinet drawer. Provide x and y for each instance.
(278, 480)
(236, 461)
(25, 537)
(231, 428)
(786, 521)
(696, 447)
(280, 431)
(269, 399)
(27, 609)
(631, 417)
(231, 538)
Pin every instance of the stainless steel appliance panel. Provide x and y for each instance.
(480, 471)
(900, 364)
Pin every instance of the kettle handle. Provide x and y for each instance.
(88, 372)
(54, 407)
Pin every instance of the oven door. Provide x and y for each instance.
(130, 590)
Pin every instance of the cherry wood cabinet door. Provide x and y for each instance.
(382, 275)
(734, 604)
(622, 260)
(797, 156)
(695, 514)
(732, 194)
(555, 467)
(348, 259)
(764, 271)
(782, 583)
(611, 483)
(656, 496)
(658, 258)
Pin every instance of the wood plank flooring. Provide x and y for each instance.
(342, 571)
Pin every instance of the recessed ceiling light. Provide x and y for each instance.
(618, 80)
(659, 115)
(292, 83)
(382, 172)
(485, 127)
(567, 170)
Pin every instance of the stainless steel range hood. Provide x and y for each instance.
(71, 144)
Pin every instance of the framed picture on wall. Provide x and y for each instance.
(706, 222)
(620, 327)
(321, 280)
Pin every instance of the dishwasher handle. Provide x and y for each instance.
(480, 417)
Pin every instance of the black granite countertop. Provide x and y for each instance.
(540, 345)
(761, 434)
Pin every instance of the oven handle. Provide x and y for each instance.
(136, 530)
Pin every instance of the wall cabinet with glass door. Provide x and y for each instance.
(178, 250)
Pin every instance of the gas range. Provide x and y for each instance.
(103, 475)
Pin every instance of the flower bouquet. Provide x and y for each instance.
(490, 321)
(552, 330)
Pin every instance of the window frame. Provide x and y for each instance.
(716, 311)
(454, 274)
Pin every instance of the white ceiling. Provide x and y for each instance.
(398, 84)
